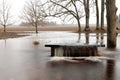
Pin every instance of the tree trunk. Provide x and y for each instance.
(79, 26)
(4, 28)
(102, 14)
(36, 28)
(87, 14)
(97, 15)
(111, 23)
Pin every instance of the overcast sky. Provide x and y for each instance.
(17, 6)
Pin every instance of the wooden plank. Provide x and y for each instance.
(69, 45)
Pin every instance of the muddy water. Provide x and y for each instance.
(21, 60)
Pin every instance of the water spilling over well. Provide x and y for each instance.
(73, 50)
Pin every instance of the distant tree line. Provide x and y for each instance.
(41, 23)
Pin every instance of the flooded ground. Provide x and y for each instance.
(20, 59)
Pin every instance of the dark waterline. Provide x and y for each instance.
(21, 60)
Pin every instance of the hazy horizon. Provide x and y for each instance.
(18, 5)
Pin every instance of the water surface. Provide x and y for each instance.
(20, 59)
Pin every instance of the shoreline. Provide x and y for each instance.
(6, 35)
(13, 32)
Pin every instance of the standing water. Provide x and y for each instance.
(20, 59)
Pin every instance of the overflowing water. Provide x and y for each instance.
(73, 50)
(20, 59)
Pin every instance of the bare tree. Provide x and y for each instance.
(111, 23)
(33, 13)
(87, 13)
(102, 13)
(97, 15)
(5, 15)
(67, 10)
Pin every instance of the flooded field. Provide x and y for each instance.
(20, 59)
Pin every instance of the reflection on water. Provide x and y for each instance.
(97, 38)
(21, 60)
(110, 71)
(5, 41)
(102, 38)
(67, 70)
(87, 38)
(79, 37)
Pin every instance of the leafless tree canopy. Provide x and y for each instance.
(5, 15)
(66, 10)
(33, 12)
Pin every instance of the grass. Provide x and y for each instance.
(13, 32)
